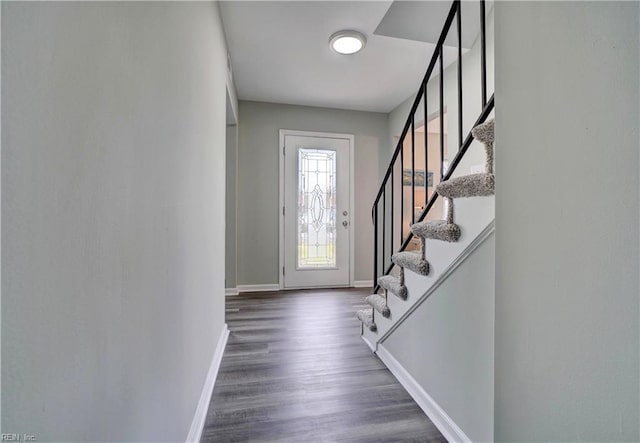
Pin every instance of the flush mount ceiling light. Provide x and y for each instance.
(347, 42)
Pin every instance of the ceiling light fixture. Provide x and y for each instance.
(347, 42)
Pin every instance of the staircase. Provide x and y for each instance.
(474, 185)
(390, 263)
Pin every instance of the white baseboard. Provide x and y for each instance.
(270, 288)
(363, 284)
(258, 288)
(203, 405)
(369, 343)
(436, 414)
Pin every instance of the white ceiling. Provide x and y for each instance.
(280, 52)
(423, 21)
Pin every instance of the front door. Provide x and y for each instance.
(316, 213)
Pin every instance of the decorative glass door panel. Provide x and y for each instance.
(316, 209)
(316, 225)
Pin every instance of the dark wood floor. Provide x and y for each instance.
(295, 369)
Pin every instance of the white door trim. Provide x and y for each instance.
(351, 138)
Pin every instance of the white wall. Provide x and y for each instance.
(258, 210)
(567, 209)
(447, 344)
(113, 154)
(231, 204)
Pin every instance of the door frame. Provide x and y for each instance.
(351, 139)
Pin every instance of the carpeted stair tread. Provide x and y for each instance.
(412, 261)
(484, 132)
(378, 303)
(474, 185)
(392, 284)
(437, 230)
(366, 317)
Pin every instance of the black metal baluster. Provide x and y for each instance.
(459, 26)
(392, 213)
(483, 51)
(384, 223)
(426, 148)
(375, 246)
(441, 114)
(413, 168)
(402, 193)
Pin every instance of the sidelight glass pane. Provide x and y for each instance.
(317, 213)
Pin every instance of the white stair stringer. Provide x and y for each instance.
(473, 216)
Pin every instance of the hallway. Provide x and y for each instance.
(296, 369)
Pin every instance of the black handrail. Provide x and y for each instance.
(455, 12)
(483, 48)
